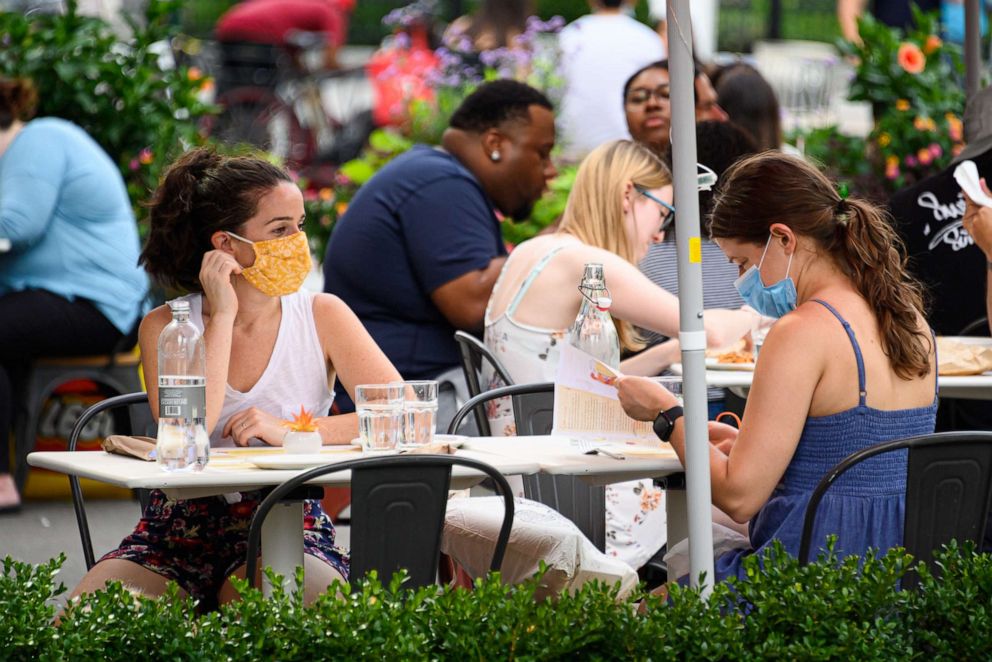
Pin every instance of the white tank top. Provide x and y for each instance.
(296, 374)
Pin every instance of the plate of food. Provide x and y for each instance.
(738, 359)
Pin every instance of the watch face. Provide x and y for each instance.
(662, 427)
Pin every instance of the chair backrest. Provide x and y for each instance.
(948, 491)
(141, 422)
(533, 413)
(533, 407)
(398, 504)
(473, 353)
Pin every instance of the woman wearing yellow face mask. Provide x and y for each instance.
(229, 231)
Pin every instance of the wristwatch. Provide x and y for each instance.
(664, 424)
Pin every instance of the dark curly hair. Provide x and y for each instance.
(495, 103)
(201, 193)
(18, 100)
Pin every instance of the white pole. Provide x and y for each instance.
(692, 335)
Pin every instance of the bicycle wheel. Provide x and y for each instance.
(258, 117)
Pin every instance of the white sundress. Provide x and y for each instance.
(635, 510)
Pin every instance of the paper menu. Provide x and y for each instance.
(586, 404)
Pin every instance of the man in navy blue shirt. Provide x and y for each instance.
(419, 249)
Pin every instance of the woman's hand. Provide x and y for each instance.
(978, 222)
(642, 398)
(254, 423)
(722, 436)
(215, 277)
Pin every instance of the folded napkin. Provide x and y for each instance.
(960, 358)
(142, 448)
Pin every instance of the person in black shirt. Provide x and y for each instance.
(930, 218)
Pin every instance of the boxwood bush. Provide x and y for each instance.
(828, 610)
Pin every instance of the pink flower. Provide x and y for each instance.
(911, 58)
(892, 173)
(936, 150)
(134, 165)
(910, 161)
(146, 156)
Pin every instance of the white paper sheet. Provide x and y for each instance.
(586, 404)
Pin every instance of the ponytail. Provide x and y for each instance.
(200, 194)
(772, 187)
(874, 258)
(18, 100)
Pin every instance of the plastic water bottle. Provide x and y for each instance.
(182, 443)
(593, 331)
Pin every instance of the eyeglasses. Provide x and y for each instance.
(667, 219)
(641, 95)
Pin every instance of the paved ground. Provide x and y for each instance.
(42, 529)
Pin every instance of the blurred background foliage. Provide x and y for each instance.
(741, 21)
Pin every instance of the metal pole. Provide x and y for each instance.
(692, 335)
(972, 47)
(775, 20)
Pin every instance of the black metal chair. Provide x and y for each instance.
(141, 422)
(398, 504)
(474, 354)
(948, 491)
(979, 327)
(533, 412)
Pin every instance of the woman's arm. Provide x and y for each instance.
(353, 356)
(642, 303)
(215, 275)
(777, 407)
(653, 360)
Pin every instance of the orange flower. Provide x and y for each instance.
(902, 104)
(302, 422)
(194, 74)
(326, 194)
(933, 42)
(924, 156)
(911, 58)
(884, 140)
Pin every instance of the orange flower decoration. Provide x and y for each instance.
(902, 104)
(933, 43)
(302, 422)
(911, 58)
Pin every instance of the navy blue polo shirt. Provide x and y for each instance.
(420, 222)
(897, 13)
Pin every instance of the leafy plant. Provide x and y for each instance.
(914, 83)
(836, 609)
(140, 112)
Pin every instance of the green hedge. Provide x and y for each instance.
(827, 610)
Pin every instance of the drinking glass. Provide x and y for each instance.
(380, 415)
(419, 412)
(674, 384)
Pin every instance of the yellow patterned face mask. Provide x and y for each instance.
(281, 265)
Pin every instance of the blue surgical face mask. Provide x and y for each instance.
(768, 300)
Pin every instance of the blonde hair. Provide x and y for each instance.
(594, 211)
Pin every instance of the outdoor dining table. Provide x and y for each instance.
(232, 470)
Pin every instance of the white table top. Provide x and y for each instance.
(971, 387)
(563, 456)
(233, 473)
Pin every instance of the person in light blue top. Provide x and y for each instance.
(849, 364)
(69, 280)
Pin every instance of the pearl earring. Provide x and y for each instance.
(494, 155)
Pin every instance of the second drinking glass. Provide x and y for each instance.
(419, 412)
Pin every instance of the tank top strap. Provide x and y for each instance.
(862, 391)
(534, 273)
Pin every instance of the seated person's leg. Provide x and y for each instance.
(39, 323)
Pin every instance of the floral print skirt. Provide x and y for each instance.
(198, 543)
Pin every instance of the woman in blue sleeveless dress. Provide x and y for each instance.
(851, 363)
